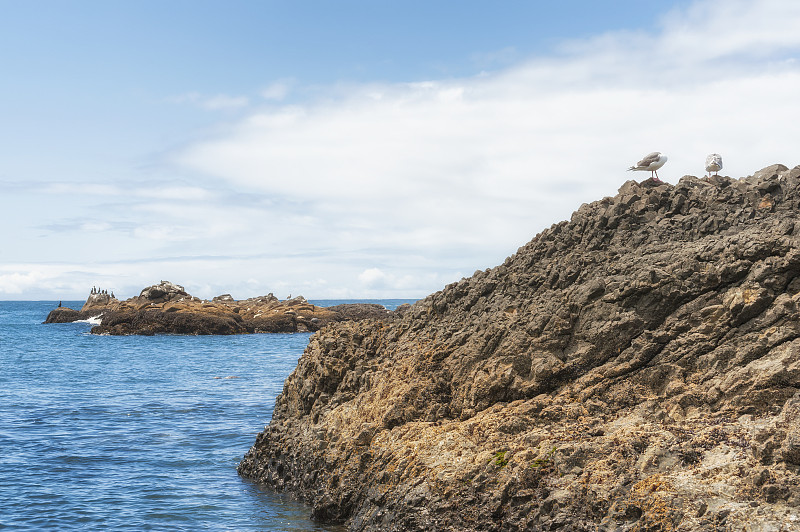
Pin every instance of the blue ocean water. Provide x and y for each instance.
(134, 432)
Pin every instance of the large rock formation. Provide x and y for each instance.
(166, 308)
(97, 304)
(634, 368)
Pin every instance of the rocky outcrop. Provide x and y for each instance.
(635, 368)
(65, 315)
(164, 292)
(166, 308)
(97, 304)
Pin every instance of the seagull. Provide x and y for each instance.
(652, 162)
(713, 163)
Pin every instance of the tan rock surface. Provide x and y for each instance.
(635, 368)
(166, 308)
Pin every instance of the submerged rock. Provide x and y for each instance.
(634, 368)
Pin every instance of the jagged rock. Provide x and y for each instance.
(166, 308)
(163, 292)
(99, 302)
(634, 368)
(64, 315)
(171, 320)
(299, 300)
(359, 311)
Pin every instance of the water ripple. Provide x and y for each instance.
(136, 433)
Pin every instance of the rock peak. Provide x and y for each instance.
(163, 291)
(634, 367)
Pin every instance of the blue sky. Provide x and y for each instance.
(356, 149)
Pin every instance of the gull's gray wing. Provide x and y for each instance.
(649, 159)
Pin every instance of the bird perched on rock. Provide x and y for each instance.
(713, 163)
(651, 162)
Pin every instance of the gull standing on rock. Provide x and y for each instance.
(652, 162)
(713, 163)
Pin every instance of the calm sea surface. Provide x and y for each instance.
(137, 433)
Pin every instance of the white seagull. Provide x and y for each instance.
(713, 163)
(651, 162)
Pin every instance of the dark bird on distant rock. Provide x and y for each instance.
(651, 162)
(713, 163)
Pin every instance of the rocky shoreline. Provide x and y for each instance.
(166, 308)
(636, 368)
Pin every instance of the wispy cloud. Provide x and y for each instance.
(377, 280)
(223, 101)
(212, 103)
(21, 281)
(378, 189)
(138, 190)
(465, 170)
(277, 90)
(81, 189)
(497, 58)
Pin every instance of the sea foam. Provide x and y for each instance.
(94, 320)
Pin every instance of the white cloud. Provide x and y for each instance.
(731, 28)
(374, 282)
(182, 193)
(81, 189)
(59, 280)
(372, 277)
(393, 190)
(95, 227)
(156, 190)
(212, 103)
(504, 57)
(277, 90)
(462, 172)
(223, 101)
(18, 282)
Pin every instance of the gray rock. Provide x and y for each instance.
(164, 291)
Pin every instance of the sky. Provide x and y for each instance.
(357, 149)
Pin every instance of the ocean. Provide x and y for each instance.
(137, 432)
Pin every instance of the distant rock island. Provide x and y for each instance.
(166, 308)
(636, 368)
